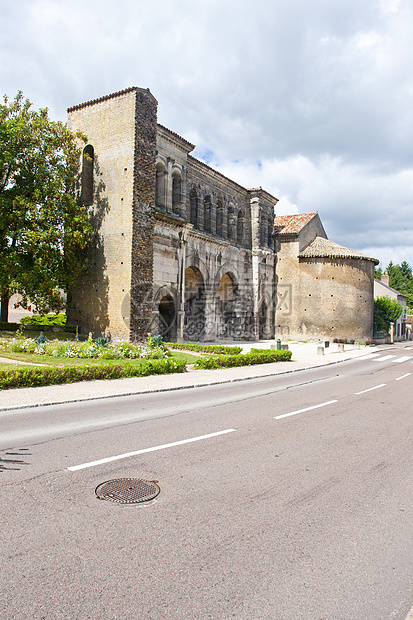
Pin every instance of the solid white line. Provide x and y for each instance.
(370, 389)
(153, 449)
(403, 376)
(285, 415)
(409, 615)
(398, 360)
(385, 358)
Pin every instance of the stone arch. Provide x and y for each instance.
(193, 207)
(160, 186)
(240, 228)
(194, 304)
(220, 219)
(226, 302)
(232, 223)
(86, 197)
(264, 325)
(176, 191)
(207, 214)
(165, 313)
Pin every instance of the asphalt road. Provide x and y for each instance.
(281, 498)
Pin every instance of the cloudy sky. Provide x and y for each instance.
(311, 99)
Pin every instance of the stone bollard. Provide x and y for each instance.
(357, 345)
(284, 347)
(340, 347)
(320, 350)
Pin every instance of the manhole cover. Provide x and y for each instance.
(128, 490)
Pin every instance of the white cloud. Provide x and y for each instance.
(320, 93)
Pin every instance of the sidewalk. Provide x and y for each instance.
(304, 355)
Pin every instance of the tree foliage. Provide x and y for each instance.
(386, 311)
(42, 226)
(401, 279)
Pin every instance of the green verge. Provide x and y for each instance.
(217, 349)
(256, 356)
(35, 376)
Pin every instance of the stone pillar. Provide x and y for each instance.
(143, 213)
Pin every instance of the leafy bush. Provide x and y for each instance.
(386, 311)
(344, 340)
(37, 376)
(256, 356)
(217, 349)
(45, 319)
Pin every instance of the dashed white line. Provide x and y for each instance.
(384, 358)
(153, 449)
(285, 415)
(369, 356)
(404, 358)
(370, 389)
(403, 376)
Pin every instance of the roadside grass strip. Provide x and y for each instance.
(286, 415)
(126, 455)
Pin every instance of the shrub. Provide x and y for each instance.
(44, 319)
(256, 356)
(37, 376)
(216, 349)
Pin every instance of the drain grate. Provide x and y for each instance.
(128, 490)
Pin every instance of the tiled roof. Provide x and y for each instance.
(292, 224)
(322, 248)
(106, 97)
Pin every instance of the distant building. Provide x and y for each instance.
(383, 289)
(324, 290)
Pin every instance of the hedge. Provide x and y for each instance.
(35, 376)
(256, 356)
(218, 349)
(44, 319)
(14, 327)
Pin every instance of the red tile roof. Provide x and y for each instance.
(292, 224)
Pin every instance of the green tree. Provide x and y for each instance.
(42, 225)
(386, 311)
(401, 279)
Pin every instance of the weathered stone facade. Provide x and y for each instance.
(323, 289)
(179, 249)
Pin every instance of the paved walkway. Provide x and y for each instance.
(304, 355)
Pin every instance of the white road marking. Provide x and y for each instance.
(410, 615)
(370, 389)
(403, 376)
(145, 450)
(369, 356)
(385, 358)
(404, 358)
(407, 348)
(285, 415)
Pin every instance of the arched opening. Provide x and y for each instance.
(194, 325)
(240, 228)
(226, 315)
(270, 242)
(263, 322)
(176, 193)
(264, 232)
(232, 225)
(207, 214)
(167, 318)
(193, 208)
(86, 197)
(160, 187)
(220, 219)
